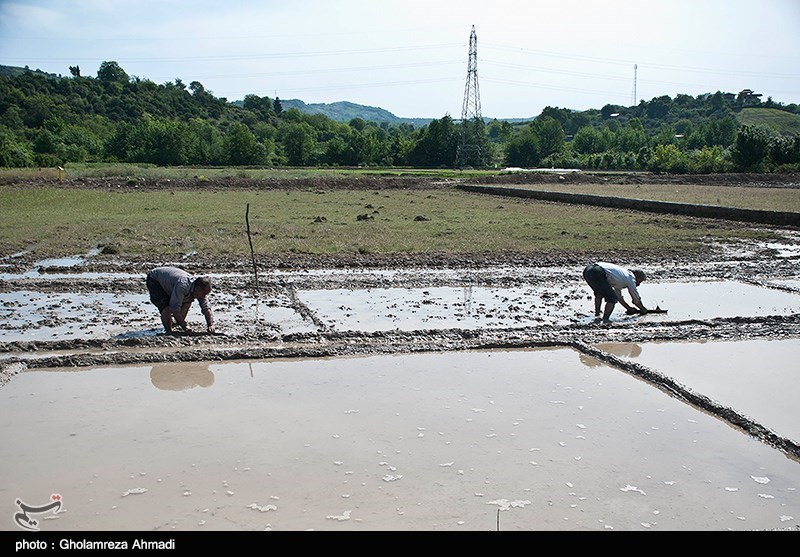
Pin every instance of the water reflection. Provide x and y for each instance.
(622, 350)
(181, 376)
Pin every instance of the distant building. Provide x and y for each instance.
(747, 97)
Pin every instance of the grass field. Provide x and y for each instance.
(779, 120)
(53, 221)
(133, 171)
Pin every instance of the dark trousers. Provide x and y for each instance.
(595, 277)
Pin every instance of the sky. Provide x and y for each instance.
(411, 57)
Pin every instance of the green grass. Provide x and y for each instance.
(129, 170)
(781, 121)
(52, 221)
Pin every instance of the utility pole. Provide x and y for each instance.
(470, 147)
(635, 69)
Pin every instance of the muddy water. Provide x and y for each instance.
(550, 439)
(528, 439)
(758, 378)
(27, 315)
(476, 307)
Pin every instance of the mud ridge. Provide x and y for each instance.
(775, 218)
(292, 345)
(342, 344)
(675, 389)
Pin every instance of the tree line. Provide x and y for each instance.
(49, 120)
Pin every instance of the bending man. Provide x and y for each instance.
(607, 282)
(173, 290)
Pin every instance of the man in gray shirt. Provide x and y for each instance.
(172, 291)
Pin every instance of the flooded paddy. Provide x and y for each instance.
(540, 439)
(757, 377)
(475, 398)
(36, 315)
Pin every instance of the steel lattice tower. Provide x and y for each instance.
(470, 150)
(472, 96)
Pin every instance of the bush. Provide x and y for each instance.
(785, 150)
(14, 153)
(709, 160)
(750, 148)
(668, 158)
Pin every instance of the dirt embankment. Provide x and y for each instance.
(398, 180)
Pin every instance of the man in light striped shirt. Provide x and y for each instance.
(607, 282)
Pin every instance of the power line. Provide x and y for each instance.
(315, 71)
(232, 57)
(618, 62)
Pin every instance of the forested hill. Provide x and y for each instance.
(343, 111)
(49, 120)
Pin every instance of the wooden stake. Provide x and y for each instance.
(249, 239)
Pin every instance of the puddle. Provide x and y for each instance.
(757, 378)
(793, 284)
(43, 265)
(789, 248)
(33, 315)
(380, 309)
(724, 299)
(54, 276)
(412, 442)
(30, 315)
(408, 309)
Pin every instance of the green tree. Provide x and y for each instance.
(631, 137)
(113, 72)
(436, 145)
(659, 107)
(262, 106)
(241, 148)
(709, 160)
(608, 110)
(668, 158)
(589, 140)
(299, 142)
(551, 135)
(13, 151)
(499, 131)
(524, 149)
(785, 150)
(206, 146)
(335, 152)
(750, 148)
(473, 144)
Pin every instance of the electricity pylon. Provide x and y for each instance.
(470, 146)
